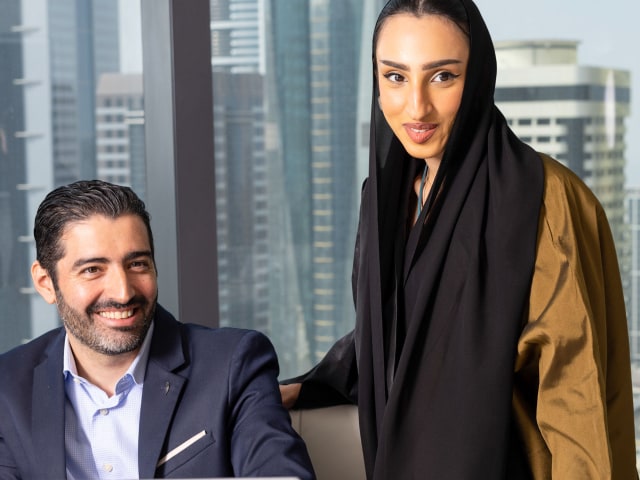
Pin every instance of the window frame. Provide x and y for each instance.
(180, 166)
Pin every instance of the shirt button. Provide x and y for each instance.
(104, 412)
(107, 467)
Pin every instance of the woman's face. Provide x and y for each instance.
(421, 65)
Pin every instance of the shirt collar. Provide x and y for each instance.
(136, 370)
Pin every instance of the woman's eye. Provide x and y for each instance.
(394, 77)
(444, 77)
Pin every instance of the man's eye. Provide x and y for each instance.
(140, 264)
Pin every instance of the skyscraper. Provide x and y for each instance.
(577, 114)
(13, 200)
(574, 113)
(288, 81)
(119, 115)
(334, 32)
(316, 47)
(632, 289)
(285, 97)
(241, 170)
(48, 68)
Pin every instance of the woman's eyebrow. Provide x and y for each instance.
(426, 66)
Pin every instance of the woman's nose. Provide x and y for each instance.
(418, 102)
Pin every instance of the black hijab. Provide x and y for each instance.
(439, 311)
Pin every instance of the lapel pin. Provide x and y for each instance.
(166, 387)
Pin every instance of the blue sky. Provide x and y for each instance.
(608, 32)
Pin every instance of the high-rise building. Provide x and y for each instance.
(285, 102)
(577, 114)
(632, 289)
(334, 62)
(14, 254)
(119, 117)
(289, 159)
(574, 113)
(52, 52)
(74, 30)
(314, 66)
(242, 200)
(237, 36)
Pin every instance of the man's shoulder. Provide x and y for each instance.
(33, 349)
(199, 336)
(17, 366)
(231, 337)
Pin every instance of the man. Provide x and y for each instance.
(123, 390)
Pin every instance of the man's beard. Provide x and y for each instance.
(108, 341)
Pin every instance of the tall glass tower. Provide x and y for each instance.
(51, 54)
(286, 79)
(14, 221)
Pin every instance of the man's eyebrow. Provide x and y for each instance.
(426, 66)
(103, 260)
(137, 254)
(84, 261)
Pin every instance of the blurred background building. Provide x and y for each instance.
(291, 89)
(51, 54)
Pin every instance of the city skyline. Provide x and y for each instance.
(603, 36)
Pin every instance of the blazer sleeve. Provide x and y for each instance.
(263, 442)
(572, 397)
(8, 469)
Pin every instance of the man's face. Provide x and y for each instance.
(106, 283)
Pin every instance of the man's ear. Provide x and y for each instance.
(43, 282)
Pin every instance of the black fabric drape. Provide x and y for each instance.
(453, 291)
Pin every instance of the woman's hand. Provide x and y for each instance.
(290, 394)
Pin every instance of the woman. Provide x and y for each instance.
(490, 337)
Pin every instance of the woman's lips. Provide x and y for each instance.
(420, 132)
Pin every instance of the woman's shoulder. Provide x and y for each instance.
(571, 217)
(564, 189)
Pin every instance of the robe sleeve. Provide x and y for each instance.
(333, 381)
(572, 397)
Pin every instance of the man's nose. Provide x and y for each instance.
(119, 286)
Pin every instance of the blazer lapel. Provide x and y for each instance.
(47, 407)
(161, 391)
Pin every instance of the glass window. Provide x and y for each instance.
(297, 96)
(293, 95)
(63, 64)
(288, 198)
(291, 85)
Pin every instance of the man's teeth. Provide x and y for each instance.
(117, 315)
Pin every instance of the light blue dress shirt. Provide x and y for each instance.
(101, 432)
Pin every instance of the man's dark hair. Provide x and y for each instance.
(79, 201)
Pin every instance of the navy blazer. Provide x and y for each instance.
(219, 381)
